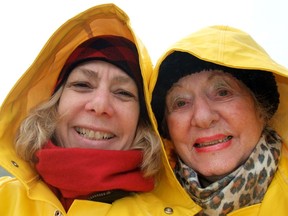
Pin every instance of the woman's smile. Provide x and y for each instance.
(94, 135)
(213, 143)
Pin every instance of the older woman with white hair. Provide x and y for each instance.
(221, 106)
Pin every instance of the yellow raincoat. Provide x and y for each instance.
(26, 194)
(231, 47)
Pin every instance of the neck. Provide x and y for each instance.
(208, 180)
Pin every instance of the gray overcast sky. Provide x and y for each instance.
(26, 26)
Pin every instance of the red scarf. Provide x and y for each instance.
(80, 172)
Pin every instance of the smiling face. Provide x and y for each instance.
(98, 108)
(213, 122)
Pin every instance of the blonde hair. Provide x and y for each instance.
(39, 126)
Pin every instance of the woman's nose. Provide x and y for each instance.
(100, 103)
(204, 114)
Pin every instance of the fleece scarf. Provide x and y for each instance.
(245, 186)
(99, 175)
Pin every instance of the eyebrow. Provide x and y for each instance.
(122, 79)
(91, 74)
(215, 74)
(225, 77)
(212, 76)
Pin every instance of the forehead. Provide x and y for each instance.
(95, 69)
(208, 75)
(205, 76)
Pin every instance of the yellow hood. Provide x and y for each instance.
(37, 83)
(231, 47)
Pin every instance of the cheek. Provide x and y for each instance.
(171, 122)
(68, 103)
(130, 115)
(253, 124)
(63, 103)
(247, 124)
(248, 116)
(60, 133)
(176, 125)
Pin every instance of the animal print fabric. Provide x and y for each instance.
(244, 187)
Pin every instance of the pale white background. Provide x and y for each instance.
(26, 26)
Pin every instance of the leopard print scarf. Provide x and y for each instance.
(245, 186)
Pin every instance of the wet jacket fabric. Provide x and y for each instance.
(25, 193)
(231, 47)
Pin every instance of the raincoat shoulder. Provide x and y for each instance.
(25, 193)
(231, 47)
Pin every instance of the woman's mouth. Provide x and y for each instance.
(211, 143)
(93, 135)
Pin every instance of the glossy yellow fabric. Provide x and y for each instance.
(26, 194)
(233, 48)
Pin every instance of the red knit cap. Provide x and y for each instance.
(116, 50)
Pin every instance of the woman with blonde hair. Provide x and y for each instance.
(76, 132)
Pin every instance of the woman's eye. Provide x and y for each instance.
(178, 104)
(80, 85)
(125, 94)
(223, 92)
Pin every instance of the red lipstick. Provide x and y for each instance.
(212, 143)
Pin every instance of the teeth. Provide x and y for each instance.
(199, 145)
(93, 135)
